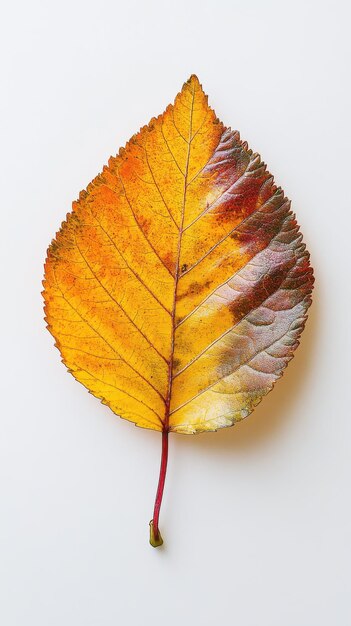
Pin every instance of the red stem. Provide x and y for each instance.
(161, 483)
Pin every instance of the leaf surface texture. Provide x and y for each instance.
(178, 286)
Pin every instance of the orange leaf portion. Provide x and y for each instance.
(178, 287)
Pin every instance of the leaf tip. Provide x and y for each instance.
(193, 79)
(194, 83)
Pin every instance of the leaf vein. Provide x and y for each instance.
(118, 303)
(106, 341)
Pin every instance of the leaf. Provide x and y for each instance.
(178, 286)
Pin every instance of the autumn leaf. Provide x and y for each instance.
(178, 286)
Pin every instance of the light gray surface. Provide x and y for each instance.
(257, 518)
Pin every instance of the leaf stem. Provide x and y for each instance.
(155, 535)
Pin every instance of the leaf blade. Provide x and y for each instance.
(180, 276)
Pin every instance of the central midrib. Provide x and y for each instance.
(176, 278)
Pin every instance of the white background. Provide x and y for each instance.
(256, 519)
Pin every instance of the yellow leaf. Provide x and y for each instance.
(178, 286)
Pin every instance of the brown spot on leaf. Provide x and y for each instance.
(194, 289)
